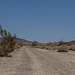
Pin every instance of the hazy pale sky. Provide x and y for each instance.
(39, 20)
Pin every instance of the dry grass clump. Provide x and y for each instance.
(40, 46)
(49, 48)
(43, 46)
(3, 53)
(72, 48)
(63, 48)
(18, 46)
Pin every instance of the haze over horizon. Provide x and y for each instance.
(39, 20)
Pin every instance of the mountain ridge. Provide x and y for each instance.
(23, 41)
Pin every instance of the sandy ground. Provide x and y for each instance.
(33, 61)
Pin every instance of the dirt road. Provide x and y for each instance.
(33, 61)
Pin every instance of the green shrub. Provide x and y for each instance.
(7, 42)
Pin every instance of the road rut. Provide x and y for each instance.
(34, 61)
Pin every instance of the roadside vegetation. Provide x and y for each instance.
(60, 47)
(7, 45)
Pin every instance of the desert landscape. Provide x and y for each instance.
(23, 57)
(37, 37)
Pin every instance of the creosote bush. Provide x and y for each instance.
(7, 42)
(34, 43)
(61, 42)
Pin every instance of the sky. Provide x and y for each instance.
(39, 20)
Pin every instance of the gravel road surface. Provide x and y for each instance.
(34, 61)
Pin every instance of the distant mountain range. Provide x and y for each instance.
(19, 40)
(23, 41)
(70, 42)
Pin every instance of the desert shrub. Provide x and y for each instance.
(61, 42)
(72, 48)
(69, 44)
(21, 44)
(43, 47)
(17, 46)
(48, 44)
(48, 48)
(7, 42)
(63, 49)
(3, 52)
(34, 43)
